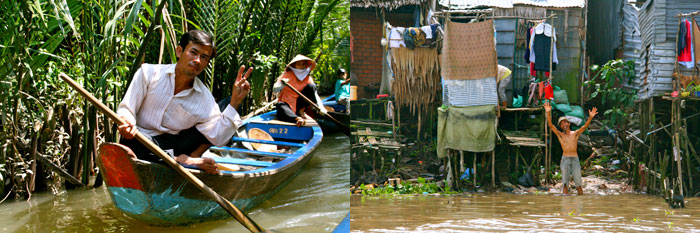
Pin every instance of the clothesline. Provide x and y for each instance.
(688, 14)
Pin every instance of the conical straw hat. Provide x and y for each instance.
(259, 134)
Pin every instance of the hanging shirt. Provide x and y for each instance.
(680, 46)
(151, 104)
(696, 40)
(527, 45)
(686, 56)
(428, 31)
(396, 37)
(540, 43)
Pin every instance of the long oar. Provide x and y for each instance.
(346, 129)
(228, 206)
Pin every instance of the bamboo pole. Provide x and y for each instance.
(493, 169)
(474, 167)
(59, 171)
(548, 151)
(228, 206)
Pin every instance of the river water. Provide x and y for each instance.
(505, 212)
(315, 201)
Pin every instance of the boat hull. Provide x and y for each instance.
(328, 126)
(156, 194)
(163, 197)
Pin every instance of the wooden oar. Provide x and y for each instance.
(228, 206)
(346, 129)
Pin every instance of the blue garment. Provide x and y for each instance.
(341, 91)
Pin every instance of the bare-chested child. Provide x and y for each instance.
(570, 166)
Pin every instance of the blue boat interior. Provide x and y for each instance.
(330, 101)
(291, 142)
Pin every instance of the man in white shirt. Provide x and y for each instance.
(169, 104)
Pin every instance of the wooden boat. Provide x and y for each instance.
(327, 125)
(156, 194)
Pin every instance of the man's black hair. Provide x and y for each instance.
(198, 37)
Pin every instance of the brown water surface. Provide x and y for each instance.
(315, 201)
(505, 212)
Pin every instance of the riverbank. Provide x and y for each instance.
(601, 175)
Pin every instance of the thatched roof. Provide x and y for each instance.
(388, 4)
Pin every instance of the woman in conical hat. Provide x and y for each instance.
(290, 106)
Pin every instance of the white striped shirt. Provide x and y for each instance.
(151, 104)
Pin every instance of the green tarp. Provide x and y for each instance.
(466, 128)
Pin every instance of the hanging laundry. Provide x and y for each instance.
(686, 57)
(548, 91)
(527, 44)
(466, 128)
(472, 92)
(413, 37)
(532, 94)
(469, 51)
(396, 37)
(434, 29)
(540, 44)
(696, 40)
(533, 72)
(682, 31)
(428, 31)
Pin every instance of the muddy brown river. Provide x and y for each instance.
(315, 201)
(505, 212)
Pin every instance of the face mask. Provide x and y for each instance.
(301, 73)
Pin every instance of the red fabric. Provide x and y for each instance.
(287, 95)
(685, 53)
(540, 88)
(548, 91)
(533, 72)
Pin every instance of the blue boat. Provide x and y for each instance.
(154, 193)
(340, 113)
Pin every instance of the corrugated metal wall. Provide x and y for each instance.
(632, 40)
(569, 26)
(604, 17)
(659, 28)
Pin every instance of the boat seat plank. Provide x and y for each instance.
(279, 143)
(251, 152)
(310, 122)
(238, 161)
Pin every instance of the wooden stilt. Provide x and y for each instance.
(493, 169)
(474, 169)
(461, 161)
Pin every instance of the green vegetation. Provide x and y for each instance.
(102, 43)
(422, 187)
(606, 83)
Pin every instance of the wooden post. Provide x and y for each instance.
(551, 62)
(474, 169)
(517, 159)
(461, 161)
(678, 157)
(546, 149)
(493, 169)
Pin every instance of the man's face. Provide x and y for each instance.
(564, 125)
(194, 58)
